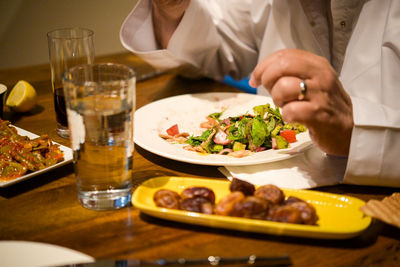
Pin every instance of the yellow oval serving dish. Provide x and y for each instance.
(339, 215)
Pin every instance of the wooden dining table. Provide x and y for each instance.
(45, 208)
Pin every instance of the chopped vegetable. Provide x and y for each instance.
(215, 115)
(281, 142)
(237, 146)
(173, 130)
(289, 135)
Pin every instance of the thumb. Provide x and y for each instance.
(253, 82)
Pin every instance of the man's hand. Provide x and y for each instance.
(326, 109)
(166, 17)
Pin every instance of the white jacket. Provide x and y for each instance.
(250, 30)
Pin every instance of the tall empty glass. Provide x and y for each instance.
(67, 48)
(100, 102)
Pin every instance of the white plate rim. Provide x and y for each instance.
(148, 124)
(39, 254)
(67, 158)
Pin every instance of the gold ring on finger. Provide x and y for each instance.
(303, 90)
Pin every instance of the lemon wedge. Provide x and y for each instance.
(22, 97)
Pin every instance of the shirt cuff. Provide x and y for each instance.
(374, 143)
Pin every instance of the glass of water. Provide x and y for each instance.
(100, 101)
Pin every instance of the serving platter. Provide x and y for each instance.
(339, 215)
(188, 111)
(67, 158)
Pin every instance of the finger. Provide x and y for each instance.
(260, 72)
(262, 68)
(289, 62)
(253, 82)
(299, 111)
(295, 63)
(256, 75)
(286, 89)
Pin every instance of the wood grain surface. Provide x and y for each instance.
(46, 209)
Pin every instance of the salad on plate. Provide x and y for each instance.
(239, 136)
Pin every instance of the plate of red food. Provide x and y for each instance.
(25, 155)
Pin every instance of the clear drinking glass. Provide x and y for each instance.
(100, 100)
(67, 48)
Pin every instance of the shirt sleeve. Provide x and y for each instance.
(204, 43)
(375, 146)
(374, 157)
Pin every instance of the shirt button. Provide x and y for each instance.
(343, 24)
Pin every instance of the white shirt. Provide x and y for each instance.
(216, 38)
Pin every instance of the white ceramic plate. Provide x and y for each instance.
(24, 253)
(67, 158)
(188, 111)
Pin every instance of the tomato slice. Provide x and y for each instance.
(289, 135)
(173, 130)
